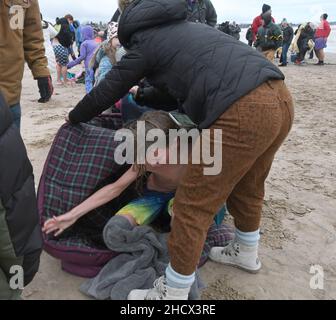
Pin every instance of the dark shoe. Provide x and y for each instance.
(43, 100)
(282, 65)
(320, 63)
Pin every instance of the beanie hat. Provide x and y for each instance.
(112, 31)
(123, 4)
(266, 8)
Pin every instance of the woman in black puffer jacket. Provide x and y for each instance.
(20, 235)
(221, 84)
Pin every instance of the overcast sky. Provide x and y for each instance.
(242, 11)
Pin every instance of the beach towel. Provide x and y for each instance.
(143, 258)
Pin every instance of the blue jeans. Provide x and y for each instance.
(89, 78)
(285, 49)
(16, 114)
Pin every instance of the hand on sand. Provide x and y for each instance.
(57, 225)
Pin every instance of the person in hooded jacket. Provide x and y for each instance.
(258, 21)
(269, 37)
(20, 233)
(87, 50)
(222, 85)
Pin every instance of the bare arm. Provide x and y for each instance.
(101, 197)
(106, 194)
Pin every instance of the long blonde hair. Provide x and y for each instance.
(109, 51)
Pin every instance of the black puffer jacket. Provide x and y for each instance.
(199, 66)
(17, 195)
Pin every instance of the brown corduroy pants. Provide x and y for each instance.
(253, 130)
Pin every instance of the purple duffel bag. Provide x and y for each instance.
(81, 157)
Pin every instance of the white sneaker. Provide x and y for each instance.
(237, 255)
(160, 292)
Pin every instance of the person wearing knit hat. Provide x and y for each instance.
(258, 21)
(88, 49)
(266, 9)
(269, 37)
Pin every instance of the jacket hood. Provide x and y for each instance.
(87, 33)
(146, 14)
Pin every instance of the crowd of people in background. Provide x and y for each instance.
(268, 37)
(279, 39)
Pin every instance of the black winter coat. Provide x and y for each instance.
(201, 67)
(17, 195)
(288, 35)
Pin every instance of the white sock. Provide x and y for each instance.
(178, 281)
(250, 239)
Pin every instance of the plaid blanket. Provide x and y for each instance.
(80, 160)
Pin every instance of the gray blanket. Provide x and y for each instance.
(144, 258)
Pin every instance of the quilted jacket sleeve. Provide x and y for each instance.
(124, 75)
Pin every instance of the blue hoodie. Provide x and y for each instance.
(87, 49)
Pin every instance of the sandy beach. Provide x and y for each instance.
(299, 218)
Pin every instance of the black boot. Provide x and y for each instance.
(282, 65)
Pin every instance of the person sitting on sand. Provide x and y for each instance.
(160, 184)
(87, 50)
